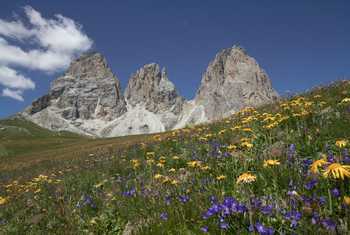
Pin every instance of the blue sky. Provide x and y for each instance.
(300, 44)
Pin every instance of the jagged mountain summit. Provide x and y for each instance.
(87, 99)
(233, 80)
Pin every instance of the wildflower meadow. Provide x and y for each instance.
(282, 168)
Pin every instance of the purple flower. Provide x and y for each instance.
(293, 217)
(256, 203)
(328, 224)
(330, 157)
(291, 153)
(184, 198)
(322, 200)
(86, 200)
(167, 200)
(335, 192)
(214, 209)
(311, 184)
(164, 216)
(204, 229)
(346, 157)
(213, 199)
(224, 225)
(267, 210)
(262, 230)
(307, 163)
(315, 218)
(307, 200)
(129, 193)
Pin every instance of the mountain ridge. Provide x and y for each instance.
(88, 99)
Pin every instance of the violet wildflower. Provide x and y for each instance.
(291, 153)
(346, 157)
(167, 200)
(214, 209)
(86, 200)
(330, 157)
(329, 224)
(315, 218)
(262, 230)
(293, 217)
(204, 229)
(267, 210)
(311, 184)
(335, 192)
(129, 193)
(224, 225)
(184, 198)
(256, 203)
(322, 200)
(164, 216)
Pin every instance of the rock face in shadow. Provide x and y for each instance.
(88, 99)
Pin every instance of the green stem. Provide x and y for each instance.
(330, 201)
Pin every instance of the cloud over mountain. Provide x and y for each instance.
(40, 44)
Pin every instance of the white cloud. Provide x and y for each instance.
(14, 94)
(52, 43)
(13, 79)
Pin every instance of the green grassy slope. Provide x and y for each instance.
(279, 169)
(19, 136)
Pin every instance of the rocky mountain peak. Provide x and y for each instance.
(87, 91)
(150, 86)
(232, 81)
(92, 64)
(87, 99)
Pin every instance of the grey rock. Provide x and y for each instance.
(87, 99)
(87, 90)
(233, 80)
(151, 87)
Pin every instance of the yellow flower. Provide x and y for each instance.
(341, 143)
(221, 177)
(150, 161)
(161, 165)
(246, 178)
(345, 100)
(135, 163)
(3, 200)
(166, 179)
(38, 190)
(194, 164)
(231, 147)
(316, 164)
(247, 144)
(271, 162)
(174, 182)
(205, 168)
(337, 171)
(172, 170)
(176, 158)
(150, 154)
(347, 200)
(93, 221)
(158, 176)
(99, 185)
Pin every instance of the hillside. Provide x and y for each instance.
(283, 168)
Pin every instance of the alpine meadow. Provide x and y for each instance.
(179, 118)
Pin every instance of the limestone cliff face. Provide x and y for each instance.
(233, 80)
(87, 99)
(150, 87)
(87, 90)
